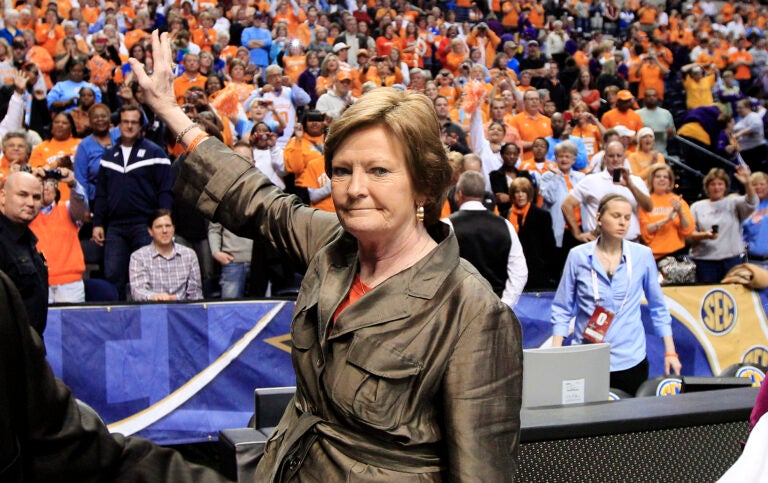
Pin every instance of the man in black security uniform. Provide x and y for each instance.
(488, 241)
(20, 201)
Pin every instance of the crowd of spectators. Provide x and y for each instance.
(555, 103)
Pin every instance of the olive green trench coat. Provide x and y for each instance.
(418, 380)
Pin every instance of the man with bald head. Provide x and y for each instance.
(590, 190)
(20, 201)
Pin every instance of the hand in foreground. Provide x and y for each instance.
(158, 88)
(672, 365)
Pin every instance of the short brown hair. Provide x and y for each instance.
(660, 167)
(411, 119)
(716, 173)
(521, 184)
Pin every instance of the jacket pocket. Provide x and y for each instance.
(375, 383)
(304, 325)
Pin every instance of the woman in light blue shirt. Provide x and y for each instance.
(610, 276)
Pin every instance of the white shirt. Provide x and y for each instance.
(517, 269)
(591, 190)
(271, 163)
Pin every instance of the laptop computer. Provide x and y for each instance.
(566, 375)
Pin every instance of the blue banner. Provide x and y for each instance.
(179, 373)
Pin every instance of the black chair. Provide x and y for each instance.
(660, 386)
(97, 290)
(269, 404)
(242, 447)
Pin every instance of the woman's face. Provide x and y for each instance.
(495, 133)
(99, 120)
(646, 143)
(313, 60)
(372, 189)
(565, 160)
(539, 150)
(332, 63)
(716, 189)
(615, 220)
(509, 156)
(584, 78)
(137, 52)
(77, 73)
(87, 98)
(61, 129)
(475, 55)
(206, 61)
(661, 183)
(213, 84)
(742, 109)
(520, 198)
(237, 72)
(761, 188)
(430, 90)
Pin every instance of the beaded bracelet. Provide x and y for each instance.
(185, 131)
(197, 140)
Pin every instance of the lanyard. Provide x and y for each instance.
(596, 292)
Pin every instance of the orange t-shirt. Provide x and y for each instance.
(530, 128)
(629, 119)
(294, 66)
(357, 290)
(651, 77)
(59, 244)
(742, 71)
(316, 177)
(182, 84)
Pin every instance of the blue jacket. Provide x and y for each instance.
(88, 160)
(128, 190)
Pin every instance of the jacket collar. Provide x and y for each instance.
(420, 281)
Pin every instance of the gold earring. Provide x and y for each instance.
(420, 213)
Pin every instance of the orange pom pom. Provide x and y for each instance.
(229, 100)
(474, 95)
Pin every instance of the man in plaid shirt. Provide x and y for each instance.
(164, 270)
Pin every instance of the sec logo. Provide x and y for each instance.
(756, 356)
(718, 312)
(669, 387)
(753, 373)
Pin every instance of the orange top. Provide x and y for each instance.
(651, 77)
(590, 136)
(134, 36)
(201, 36)
(671, 236)
(357, 290)
(742, 71)
(58, 242)
(298, 154)
(316, 177)
(530, 128)
(294, 66)
(182, 84)
(640, 163)
(47, 36)
(629, 119)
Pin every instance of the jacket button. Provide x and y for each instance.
(319, 362)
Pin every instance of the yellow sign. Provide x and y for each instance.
(728, 321)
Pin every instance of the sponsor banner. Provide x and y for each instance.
(179, 373)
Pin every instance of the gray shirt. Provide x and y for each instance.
(659, 120)
(728, 214)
